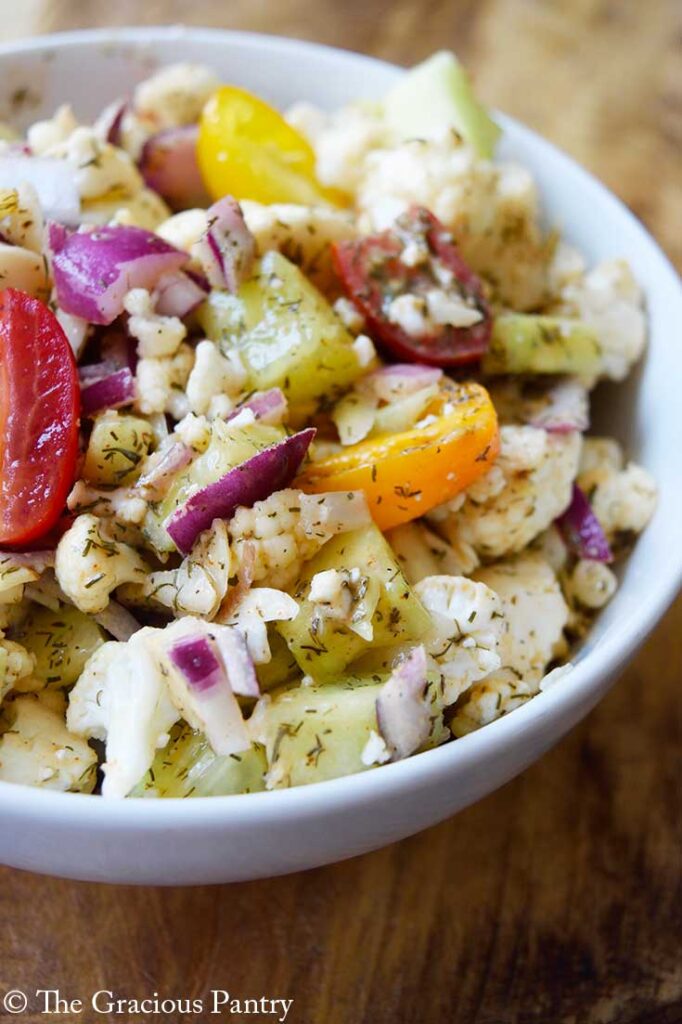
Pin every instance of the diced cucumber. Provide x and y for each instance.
(116, 448)
(282, 667)
(324, 648)
(188, 767)
(318, 732)
(62, 641)
(229, 447)
(523, 343)
(287, 333)
(437, 95)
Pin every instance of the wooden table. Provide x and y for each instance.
(559, 898)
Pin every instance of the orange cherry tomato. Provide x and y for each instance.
(405, 475)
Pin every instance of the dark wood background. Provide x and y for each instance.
(558, 900)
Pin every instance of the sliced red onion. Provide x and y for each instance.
(390, 382)
(566, 410)
(238, 663)
(53, 180)
(227, 249)
(109, 123)
(403, 716)
(93, 270)
(118, 621)
(210, 703)
(39, 561)
(155, 481)
(109, 392)
(267, 407)
(177, 294)
(169, 165)
(252, 481)
(582, 531)
(90, 372)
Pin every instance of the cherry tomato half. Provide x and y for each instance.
(377, 269)
(39, 416)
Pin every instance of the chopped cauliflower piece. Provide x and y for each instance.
(157, 335)
(347, 596)
(88, 565)
(250, 616)
(528, 487)
(122, 698)
(468, 626)
(496, 695)
(609, 300)
(623, 498)
(214, 376)
(276, 536)
(590, 584)
(341, 140)
(16, 663)
(197, 586)
(175, 95)
(161, 383)
(42, 136)
(535, 613)
(38, 750)
(99, 169)
(421, 552)
(122, 503)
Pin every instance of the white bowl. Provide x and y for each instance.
(233, 838)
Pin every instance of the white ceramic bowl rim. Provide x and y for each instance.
(384, 782)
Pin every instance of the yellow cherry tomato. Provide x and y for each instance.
(404, 475)
(247, 150)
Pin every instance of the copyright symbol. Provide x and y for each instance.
(15, 1001)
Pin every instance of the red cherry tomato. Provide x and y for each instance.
(374, 274)
(39, 416)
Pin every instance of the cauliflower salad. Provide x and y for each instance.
(296, 478)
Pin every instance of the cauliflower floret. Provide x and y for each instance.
(623, 498)
(157, 335)
(161, 383)
(13, 578)
(590, 584)
(496, 695)
(16, 663)
(528, 487)
(272, 540)
(38, 750)
(256, 608)
(175, 95)
(341, 141)
(88, 566)
(197, 586)
(43, 135)
(535, 613)
(421, 552)
(600, 458)
(122, 503)
(492, 210)
(345, 595)
(304, 234)
(214, 376)
(610, 300)
(98, 167)
(122, 697)
(468, 624)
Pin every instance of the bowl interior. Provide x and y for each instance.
(89, 69)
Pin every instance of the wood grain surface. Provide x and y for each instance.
(558, 900)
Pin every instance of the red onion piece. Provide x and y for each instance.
(582, 531)
(252, 481)
(169, 165)
(39, 561)
(227, 249)
(90, 372)
(177, 294)
(566, 410)
(53, 180)
(118, 621)
(155, 481)
(391, 382)
(403, 716)
(109, 392)
(109, 123)
(210, 703)
(267, 407)
(238, 663)
(93, 270)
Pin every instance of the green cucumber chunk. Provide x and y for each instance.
(229, 447)
(324, 648)
(116, 449)
(437, 95)
(188, 767)
(287, 333)
(524, 343)
(62, 641)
